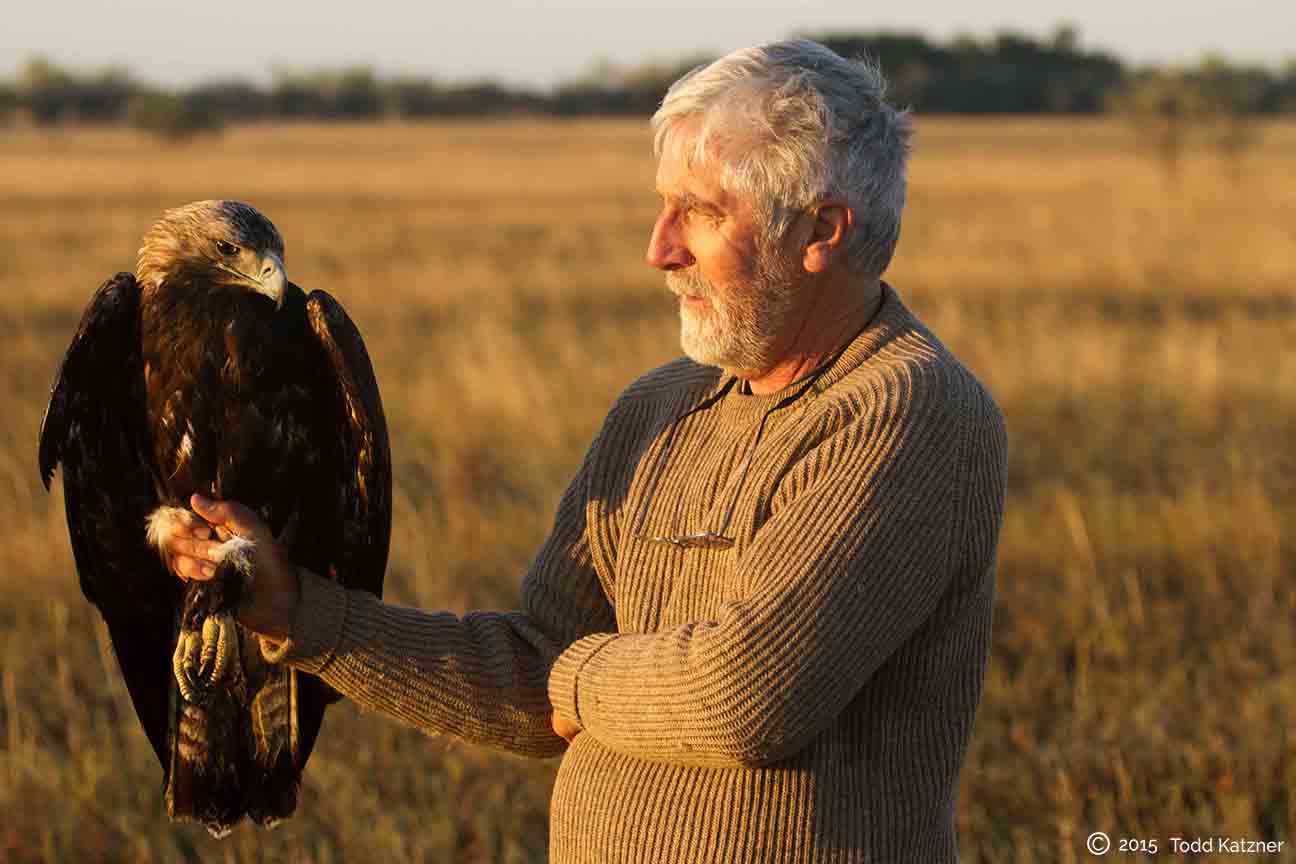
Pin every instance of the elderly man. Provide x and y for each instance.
(759, 626)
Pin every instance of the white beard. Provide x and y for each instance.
(739, 330)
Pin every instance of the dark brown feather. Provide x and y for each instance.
(94, 426)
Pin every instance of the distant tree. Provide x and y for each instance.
(103, 96)
(8, 104)
(1213, 104)
(415, 98)
(52, 94)
(485, 98)
(1284, 99)
(170, 116)
(1012, 73)
(412, 98)
(351, 93)
(230, 101)
(1066, 39)
(354, 93)
(1234, 97)
(1162, 109)
(46, 90)
(609, 88)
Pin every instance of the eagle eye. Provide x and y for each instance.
(226, 248)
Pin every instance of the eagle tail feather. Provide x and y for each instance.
(271, 743)
(207, 780)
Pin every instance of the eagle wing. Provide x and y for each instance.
(95, 427)
(360, 477)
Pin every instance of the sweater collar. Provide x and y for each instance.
(891, 319)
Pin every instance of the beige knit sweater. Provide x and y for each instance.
(805, 696)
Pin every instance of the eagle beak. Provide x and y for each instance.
(272, 278)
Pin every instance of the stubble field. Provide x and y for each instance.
(1135, 328)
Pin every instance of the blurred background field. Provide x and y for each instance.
(1134, 322)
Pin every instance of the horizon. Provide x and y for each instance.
(528, 48)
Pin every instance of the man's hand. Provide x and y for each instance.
(563, 727)
(271, 596)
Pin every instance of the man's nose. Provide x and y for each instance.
(666, 249)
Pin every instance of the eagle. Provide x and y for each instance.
(207, 371)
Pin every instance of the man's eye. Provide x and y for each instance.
(699, 213)
(226, 248)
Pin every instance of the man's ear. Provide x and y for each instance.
(830, 230)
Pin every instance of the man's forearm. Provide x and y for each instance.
(481, 677)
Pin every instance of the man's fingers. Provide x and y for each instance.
(192, 525)
(199, 529)
(231, 515)
(193, 548)
(191, 551)
(192, 568)
(563, 727)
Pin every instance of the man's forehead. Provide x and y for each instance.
(680, 171)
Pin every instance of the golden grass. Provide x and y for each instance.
(1137, 333)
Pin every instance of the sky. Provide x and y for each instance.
(539, 44)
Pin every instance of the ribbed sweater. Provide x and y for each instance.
(804, 696)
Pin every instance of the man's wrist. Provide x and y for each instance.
(565, 673)
(288, 602)
(313, 633)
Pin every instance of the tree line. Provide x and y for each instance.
(1006, 74)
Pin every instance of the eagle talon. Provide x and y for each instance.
(203, 658)
(183, 666)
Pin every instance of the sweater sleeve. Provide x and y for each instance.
(846, 568)
(481, 676)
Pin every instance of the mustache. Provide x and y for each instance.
(681, 282)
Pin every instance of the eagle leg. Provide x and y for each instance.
(205, 657)
(207, 647)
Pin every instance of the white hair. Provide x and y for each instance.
(792, 123)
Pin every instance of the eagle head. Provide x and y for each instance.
(220, 243)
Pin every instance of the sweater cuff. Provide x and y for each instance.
(316, 629)
(565, 674)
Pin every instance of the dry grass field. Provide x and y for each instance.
(1136, 331)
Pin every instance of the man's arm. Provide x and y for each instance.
(482, 676)
(847, 568)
